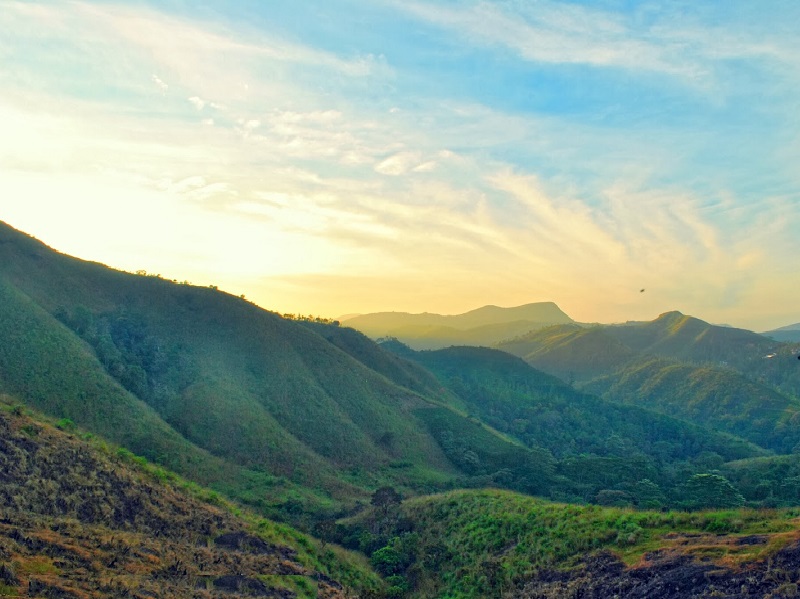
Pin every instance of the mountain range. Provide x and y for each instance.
(483, 326)
(311, 421)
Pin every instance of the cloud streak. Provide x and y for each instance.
(311, 158)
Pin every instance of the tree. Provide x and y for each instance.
(648, 495)
(613, 497)
(387, 561)
(384, 498)
(325, 530)
(710, 491)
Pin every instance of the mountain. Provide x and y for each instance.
(789, 333)
(570, 351)
(586, 352)
(683, 337)
(311, 422)
(593, 444)
(297, 419)
(723, 378)
(201, 381)
(716, 398)
(677, 336)
(82, 520)
(483, 326)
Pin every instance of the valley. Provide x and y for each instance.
(527, 455)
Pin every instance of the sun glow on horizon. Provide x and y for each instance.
(258, 150)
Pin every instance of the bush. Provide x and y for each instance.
(387, 561)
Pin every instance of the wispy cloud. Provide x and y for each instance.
(312, 159)
(658, 39)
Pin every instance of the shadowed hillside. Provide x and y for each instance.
(599, 448)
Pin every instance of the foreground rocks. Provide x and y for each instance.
(671, 574)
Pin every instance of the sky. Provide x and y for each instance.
(340, 156)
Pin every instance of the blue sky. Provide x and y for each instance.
(341, 156)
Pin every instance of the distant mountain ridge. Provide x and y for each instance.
(789, 333)
(723, 378)
(483, 326)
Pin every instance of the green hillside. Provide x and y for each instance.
(578, 353)
(680, 336)
(677, 336)
(596, 445)
(772, 481)
(292, 417)
(571, 352)
(182, 374)
(475, 544)
(721, 399)
(309, 422)
(721, 378)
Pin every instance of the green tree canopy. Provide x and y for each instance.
(710, 491)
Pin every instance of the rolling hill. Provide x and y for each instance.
(595, 443)
(722, 378)
(713, 397)
(303, 419)
(570, 352)
(307, 421)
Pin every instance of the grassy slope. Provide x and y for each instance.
(716, 377)
(212, 374)
(586, 444)
(57, 373)
(543, 411)
(677, 336)
(483, 543)
(40, 358)
(680, 336)
(80, 520)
